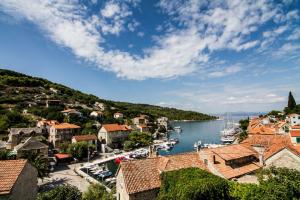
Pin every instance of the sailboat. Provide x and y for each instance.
(228, 134)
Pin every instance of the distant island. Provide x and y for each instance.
(21, 93)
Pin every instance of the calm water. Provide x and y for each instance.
(206, 131)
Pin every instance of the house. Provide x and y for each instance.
(276, 150)
(140, 179)
(230, 162)
(295, 134)
(16, 135)
(142, 119)
(31, 145)
(282, 128)
(63, 132)
(113, 135)
(46, 124)
(142, 128)
(91, 139)
(118, 115)
(50, 103)
(257, 126)
(71, 112)
(96, 114)
(18, 180)
(293, 119)
(163, 121)
(99, 106)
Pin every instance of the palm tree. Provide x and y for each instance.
(40, 163)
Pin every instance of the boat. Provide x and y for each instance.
(105, 174)
(228, 139)
(177, 129)
(174, 141)
(198, 144)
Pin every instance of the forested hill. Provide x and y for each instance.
(19, 91)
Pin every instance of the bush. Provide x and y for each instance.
(97, 191)
(192, 184)
(64, 192)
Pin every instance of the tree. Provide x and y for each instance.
(291, 101)
(96, 191)
(80, 150)
(40, 163)
(63, 192)
(137, 139)
(192, 184)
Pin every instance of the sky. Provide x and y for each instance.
(202, 55)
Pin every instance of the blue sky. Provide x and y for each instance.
(208, 56)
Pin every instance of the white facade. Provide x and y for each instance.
(294, 119)
(118, 116)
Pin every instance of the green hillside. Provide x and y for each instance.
(19, 91)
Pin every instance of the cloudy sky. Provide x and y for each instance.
(209, 56)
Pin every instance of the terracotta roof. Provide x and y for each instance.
(118, 113)
(65, 126)
(227, 170)
(9, 172)
(140, 175)
(180, 161)
(271, 143)
(232, 152)
(48, 122)
(30, 144)
(143, 175)
(115, 127)
(295, 127)
(295, 133)
(79, 138)
(62, 155)
(69, 111)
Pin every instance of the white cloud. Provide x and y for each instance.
(295, 35)
(226, 71)
(224, 25)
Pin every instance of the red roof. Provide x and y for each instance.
(116, 127)
(79, 138)
(62, 155)
(295, 133)
(9, 173)
(295, 127)
(66, 126)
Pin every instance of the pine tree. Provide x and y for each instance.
(291, 102)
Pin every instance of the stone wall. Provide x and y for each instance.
(25, 187)
(284, 158)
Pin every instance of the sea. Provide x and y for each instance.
(193, 131)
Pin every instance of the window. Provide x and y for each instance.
(298, 140)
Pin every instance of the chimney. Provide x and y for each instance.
(261, 159)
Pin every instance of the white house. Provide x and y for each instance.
(113, 135)
(100, 106)
(163, 121)
(295, 134)
(70, 112)
(118, 115)
(96, 113)
(293, 119)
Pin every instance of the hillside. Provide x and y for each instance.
(19, 91)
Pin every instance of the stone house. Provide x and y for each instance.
(91, 139)
(113, 135)
(230, 162)
(295, 134)
(31, 145)
(293, 119)
(62, 133)
(118, 115)
(18, 180)
(142, 119)
(140, 179)
(16, 135)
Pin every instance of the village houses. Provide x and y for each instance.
(63, 132)
(71, 112)
(118, 115)
(33, 146)
(140, 179)
(91, 139)
(18, 180)
(142, 119)
(293, 119)
(295, 134)
(113, 135)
